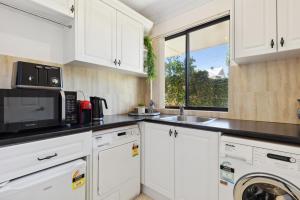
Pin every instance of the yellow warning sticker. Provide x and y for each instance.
(78, 180)
(135, 150)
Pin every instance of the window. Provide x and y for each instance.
(197, 67)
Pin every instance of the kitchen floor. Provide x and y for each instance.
(143, 197)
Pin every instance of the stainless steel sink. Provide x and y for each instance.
(188, 119)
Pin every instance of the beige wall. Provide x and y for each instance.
(122, 91)
(265, 91)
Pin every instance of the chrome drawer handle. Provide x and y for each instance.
(102, 145)
(47, 157)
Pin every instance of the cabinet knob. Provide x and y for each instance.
(170, 132)
(272, 43)
(282, 42)
(175, 134)
(119, 63)
(72, 9)
(115, 61)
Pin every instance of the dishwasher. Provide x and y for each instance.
(116, 164)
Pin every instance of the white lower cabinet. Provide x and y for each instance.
(159, 159)
(196, 164)
(181, 163)
(23, 159)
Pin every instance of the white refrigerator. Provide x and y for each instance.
(64, 182)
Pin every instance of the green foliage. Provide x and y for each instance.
(204, 91)
(150, 59)
(175, 82)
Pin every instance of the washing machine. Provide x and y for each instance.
(258, 170)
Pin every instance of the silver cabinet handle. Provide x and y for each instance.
(47, 157)
(102, 145)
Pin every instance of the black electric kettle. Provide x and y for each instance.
(97, 109)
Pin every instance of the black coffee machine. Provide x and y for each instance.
(97, 109)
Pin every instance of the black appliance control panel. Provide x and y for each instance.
(71, 107)
(31, 75)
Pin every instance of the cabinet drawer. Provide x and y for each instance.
(22, 159)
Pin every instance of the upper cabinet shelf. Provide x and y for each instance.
(266, 29)
(107, 33)
(56, 10)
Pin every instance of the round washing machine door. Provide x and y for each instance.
(265, 187)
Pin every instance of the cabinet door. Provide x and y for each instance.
(288, 25)
(129, 43)
(98, 42)
(255, 27)
(196, 164)
(159, 159)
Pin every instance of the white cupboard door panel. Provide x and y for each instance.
(196, 164)
(129, 43)
(100, 33)
(23, 159)
(159, 159)
(255, 27)
(288, 25)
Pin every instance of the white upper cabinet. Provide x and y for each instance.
(98, 31)
(130, 43)
(58, 10)
(266, 29)
(106, 33)
(288, 24)
(255, 27)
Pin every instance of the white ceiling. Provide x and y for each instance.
(161, 10)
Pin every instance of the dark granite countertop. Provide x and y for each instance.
(113, 121)
(41, 134)
(277, 132)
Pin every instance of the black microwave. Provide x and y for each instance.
(23, 109)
